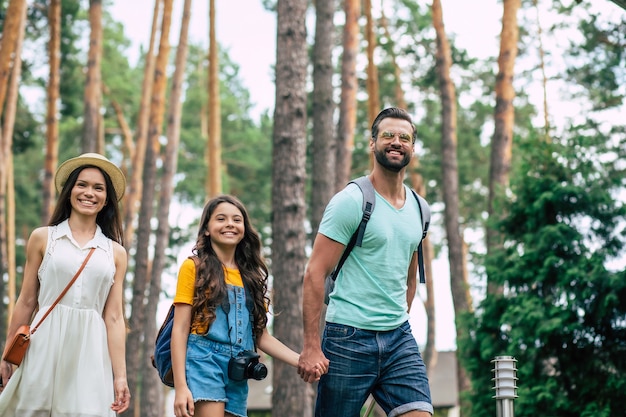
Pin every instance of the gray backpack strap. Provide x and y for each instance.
(425, 215)
(369, 202)
(424, 211)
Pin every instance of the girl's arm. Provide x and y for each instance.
(27, 301)
(183, 400)
(277, 349)
(115, 323)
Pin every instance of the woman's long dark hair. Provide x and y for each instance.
(109, 218)
(210, 287)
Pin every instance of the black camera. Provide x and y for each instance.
(246, 365)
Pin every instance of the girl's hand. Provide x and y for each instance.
(122, 395)
(320, 369)
(183, 402)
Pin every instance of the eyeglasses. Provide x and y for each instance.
(405, 138)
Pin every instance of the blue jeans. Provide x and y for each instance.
(386, 364)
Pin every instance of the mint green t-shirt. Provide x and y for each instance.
(370, 291)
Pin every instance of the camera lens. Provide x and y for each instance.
(259, 371)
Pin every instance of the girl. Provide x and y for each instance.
(75, 364)
(220, 316)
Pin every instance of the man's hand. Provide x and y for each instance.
(312, 364)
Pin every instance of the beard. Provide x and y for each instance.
(383, 160)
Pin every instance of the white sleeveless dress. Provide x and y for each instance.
(67, 369)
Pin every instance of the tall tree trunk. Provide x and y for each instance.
(417, 182)
(399, 92)
(373, 103)
(7, 191)
(12, 21)
(214, 148)
(349, 88)
(127, 134)
(502, 141)
(323, 144)
(135, 357)
(132, 202)
(450, 186)
(93, 88)
(290, 396)
(52, 123)
(152, 393)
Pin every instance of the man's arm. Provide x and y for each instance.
(325, 255)
(411, 281)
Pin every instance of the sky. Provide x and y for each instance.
(248, 32)
(250, 35)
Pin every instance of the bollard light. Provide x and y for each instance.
(505, 377)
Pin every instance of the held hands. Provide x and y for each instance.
(122, 395)
(312, 365)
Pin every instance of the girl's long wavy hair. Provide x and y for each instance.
(210, 287)
(109, 218)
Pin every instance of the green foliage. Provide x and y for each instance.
(599, 62)
(561, 314)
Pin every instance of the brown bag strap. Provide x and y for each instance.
(67, 287)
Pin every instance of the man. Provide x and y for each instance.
(367, 338)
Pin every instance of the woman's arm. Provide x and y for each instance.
(115, 323)
(27, 300)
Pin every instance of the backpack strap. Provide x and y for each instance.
(369, 202)
(425, 215)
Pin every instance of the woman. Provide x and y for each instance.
(75, 364)
(220, 316)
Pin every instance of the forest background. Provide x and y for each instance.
(520, 152)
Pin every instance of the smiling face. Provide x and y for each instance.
(391, 151)
(226, 225)
(89, 193)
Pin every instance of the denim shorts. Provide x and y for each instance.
(206, 367)
(386, 364)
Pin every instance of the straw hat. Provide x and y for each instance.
(95, 159)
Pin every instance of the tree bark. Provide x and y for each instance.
(214, 148)
(290, 396)
(323, 144)
(152, 393)
(93, 81)
(450, 189)
(13, 18)
(132, 202)
(52, 122)
(349, 88)
(429, 352)
(373, 103)
(136, 355)
(7, 186)
(504, 118)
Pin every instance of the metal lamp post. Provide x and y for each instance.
(505, 385)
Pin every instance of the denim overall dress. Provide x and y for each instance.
(208, 355)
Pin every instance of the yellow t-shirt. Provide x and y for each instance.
(185, 287)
